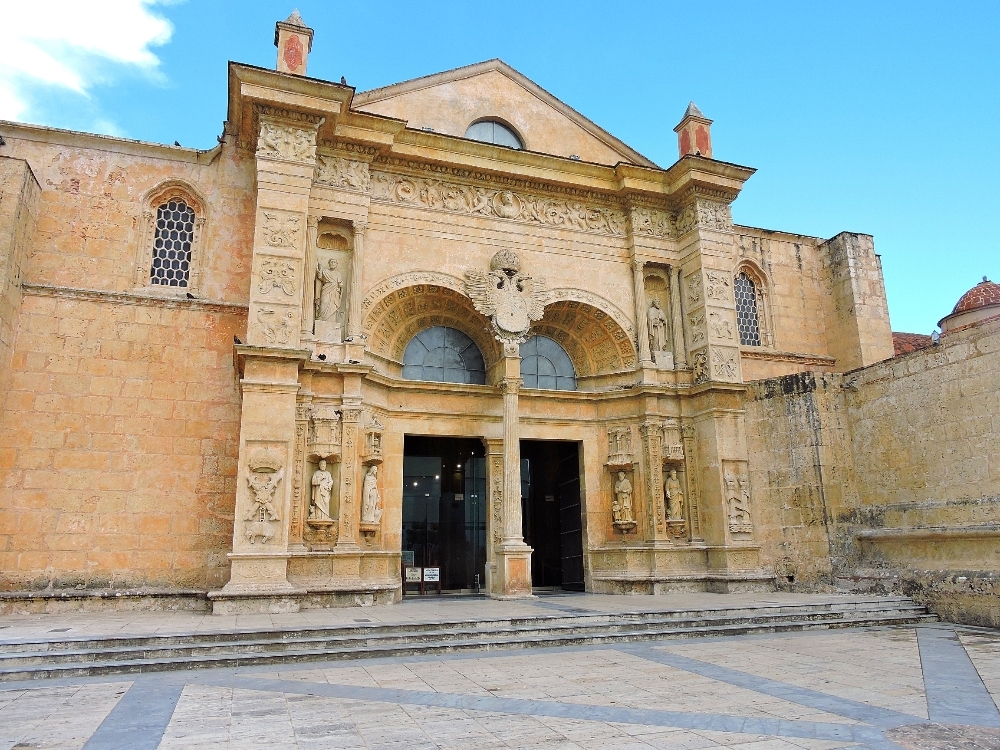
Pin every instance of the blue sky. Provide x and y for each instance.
(876, 117)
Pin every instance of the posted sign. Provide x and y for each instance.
(432, 575)
(413, 575)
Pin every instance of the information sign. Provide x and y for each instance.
(413, 575)
(408, 557)
(432, 575)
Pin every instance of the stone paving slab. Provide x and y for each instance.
(411, 610)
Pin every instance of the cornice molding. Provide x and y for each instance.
(131, 298)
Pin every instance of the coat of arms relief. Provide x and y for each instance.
(511, 299)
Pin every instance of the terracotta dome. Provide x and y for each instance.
(983, 294)
(979, 303)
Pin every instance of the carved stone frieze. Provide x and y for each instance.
(281, 229)
(276, 324)
(704, 214)
(276, 273)
(651, 222)
(286, 142)
(509, 204)
(346, 174)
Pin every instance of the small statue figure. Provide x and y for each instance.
(328, 291)
(657, 327)
(262, 489)
(370, 510)
(621, 510)
(675, 496)
(322, 485)
(744, 505)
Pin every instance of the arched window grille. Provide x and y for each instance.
(172, 241)
(545, 364)
(443, 355)
(747, 310)
(492, 131)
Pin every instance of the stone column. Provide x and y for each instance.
(641, 323)
(652, 438)
(301, 489)
(308, 283)
(691, 474)
(495, 514)
(513, 555)
(677, 320)
(357, 265)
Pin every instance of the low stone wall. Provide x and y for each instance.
(895, 467)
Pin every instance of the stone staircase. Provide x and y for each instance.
(69, 657)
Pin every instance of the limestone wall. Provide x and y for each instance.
(901, 458)
(119, 441)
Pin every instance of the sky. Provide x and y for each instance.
(875, 117)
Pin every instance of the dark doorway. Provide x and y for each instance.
(444, 508)
(551, 513)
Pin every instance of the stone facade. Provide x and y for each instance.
(188, 335)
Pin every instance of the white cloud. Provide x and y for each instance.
(72, 44)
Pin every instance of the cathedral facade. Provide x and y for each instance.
(448, 332)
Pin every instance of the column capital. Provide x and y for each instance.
(511, 385)
(638, 265)
(359, 227)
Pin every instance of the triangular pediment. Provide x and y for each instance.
(450, 102)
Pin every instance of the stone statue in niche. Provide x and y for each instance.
(657, 321)
(621, 508)
(371, 513)
(328, 293)
(322, 486)
(674, 495)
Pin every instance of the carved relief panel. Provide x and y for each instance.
(711, 326)
(275, 287)
(736, 481)
(263, 493)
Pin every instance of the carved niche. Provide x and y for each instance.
(511, 299)
(373, 440)
(264, 474)
(674, 500)
(620, 461)
(325, 431)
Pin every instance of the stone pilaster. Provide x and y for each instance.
(677, 319)
(301, 489)
(308, 287)
(691, 474)
(641, 323)
(652, 438)
(357, 266)
(347, 537)
(495, 513)
(513, 555)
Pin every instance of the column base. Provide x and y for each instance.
(258, 584)
(513, 572)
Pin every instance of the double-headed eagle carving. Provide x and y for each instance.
(511, 299)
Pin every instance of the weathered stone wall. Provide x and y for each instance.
(903, 456)
(119, 441)
(18, 214)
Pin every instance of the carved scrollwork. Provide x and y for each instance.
(281, 230)
(276, 273)
(699, 364)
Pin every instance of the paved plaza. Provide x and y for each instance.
(925, 687)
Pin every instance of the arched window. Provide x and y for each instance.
(443, 355)
(492, 131)
(172, 242)
(545, 364)
(747, 310)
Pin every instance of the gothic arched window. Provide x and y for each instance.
(443, 355)
(493, 131)
(545, 364)
(172, 241)
(747, 310)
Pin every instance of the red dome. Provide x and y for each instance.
(983, 294)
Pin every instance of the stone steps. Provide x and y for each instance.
(38, 659)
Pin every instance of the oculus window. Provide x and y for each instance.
(491, 131)
(443, 355)
(746, 310)
(545, 364)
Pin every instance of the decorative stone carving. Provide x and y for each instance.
(322, 487)
(694, 289)
(284, 142)
(511, 299)
(281, 230)
(738, 499)
(264, 474)
(343, 173)
(657, 321)
(496, 482)
(720, 326)
(276, 327)
(373, 440)
(621, 507)
(704, 215)
(620, 448)
(276, 273)
(503, 203)
(673, 452)
(699, 364)
(697, 327)
(725, 366)
(371, 511)
(651, 222)
(717, 286)
(325, 431)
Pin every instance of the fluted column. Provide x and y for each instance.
(641, 324)
(357, 264)
(680, 350)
